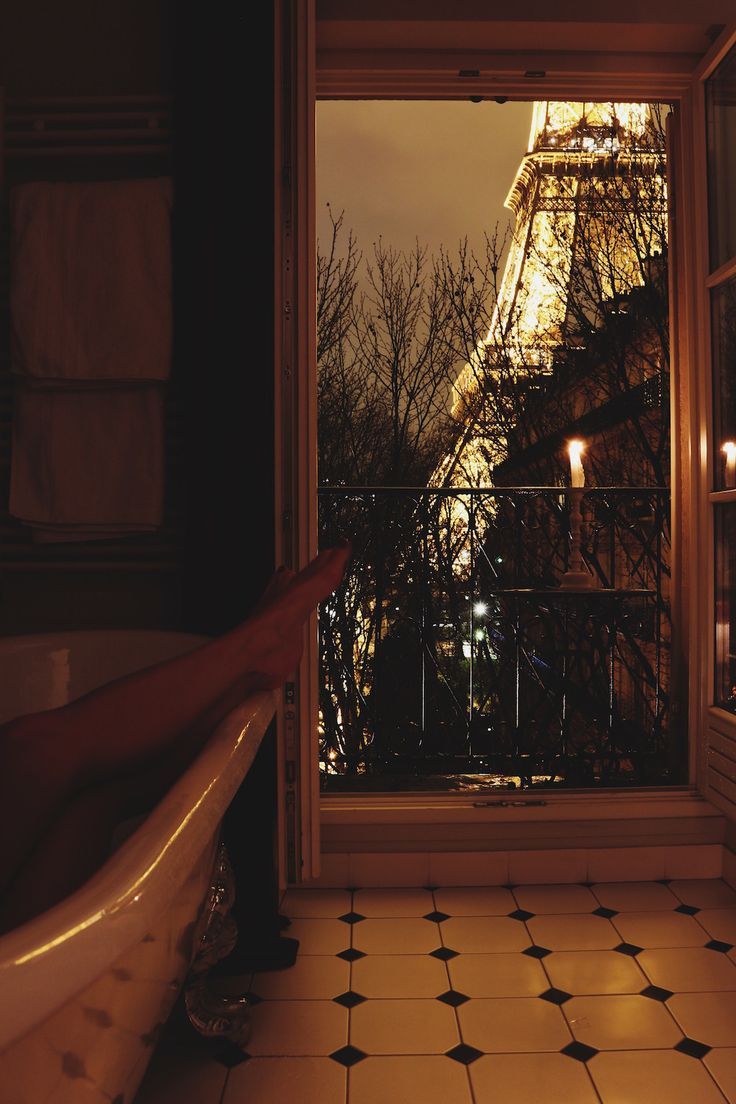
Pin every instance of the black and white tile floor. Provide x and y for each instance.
(611, 993)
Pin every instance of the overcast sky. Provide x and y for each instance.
(404, 169)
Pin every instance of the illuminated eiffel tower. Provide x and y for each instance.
(588, 200)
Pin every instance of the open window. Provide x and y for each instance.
(368, 58)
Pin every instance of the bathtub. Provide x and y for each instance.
(86, 987)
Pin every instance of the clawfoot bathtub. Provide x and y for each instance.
(85, 988)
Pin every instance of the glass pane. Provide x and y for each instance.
(720, 92)
(723, 308)
(725, 688)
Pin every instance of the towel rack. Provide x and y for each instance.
(86, 139)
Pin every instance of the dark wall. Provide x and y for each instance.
(85, 47)
(224, 261)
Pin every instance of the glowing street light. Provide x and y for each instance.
(729, 449)
(577, 473)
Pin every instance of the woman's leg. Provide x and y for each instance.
(47, 758)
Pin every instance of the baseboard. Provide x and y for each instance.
(522, 867)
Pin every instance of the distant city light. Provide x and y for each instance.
(480, 609)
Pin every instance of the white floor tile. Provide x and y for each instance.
(513, 1025)
(719, 923)
(704, 893)
(393, 902)
(429, 1079)
(545, 1078)
(578, 932)
(320, 937)
(475, 901)
(659, 929)
(635, 896)
(484, 934)
(296, 1028)
(399, 976)
(312, 977)
(689, 970)
(552, 899)
(594, 973)
(497, 975)
(291, 1080)
(400, 935)
(652, 1077)
(708, 1017)
(403, 1027)
(722, 1066)
(621, 1022)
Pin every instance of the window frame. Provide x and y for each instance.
(365, 73)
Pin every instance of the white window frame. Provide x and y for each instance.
(357, 74)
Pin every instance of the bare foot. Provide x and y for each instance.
(273, 637)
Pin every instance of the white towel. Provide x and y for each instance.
(88, 464)
(91, 280)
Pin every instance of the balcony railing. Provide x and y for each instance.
(452, 651)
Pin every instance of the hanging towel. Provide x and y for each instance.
(91, 280)
(88, 465)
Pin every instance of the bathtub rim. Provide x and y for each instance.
(49, 960)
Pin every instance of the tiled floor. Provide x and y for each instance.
(554, 994)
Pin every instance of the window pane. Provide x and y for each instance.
(725, 688)
(723, 307)
(720, 91)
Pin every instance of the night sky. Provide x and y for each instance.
(405, 169)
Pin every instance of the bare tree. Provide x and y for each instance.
(424, 383)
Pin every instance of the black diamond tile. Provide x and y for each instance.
(453, 997)
(464, 1053)
(556, 996)
(688, 910)
(351, 918)
(347, 1055)
(579, 1051)
(350, 955)
(663, 881)
(521, 914)
(228, 1054)
(509, 885)
(431, 889)
(444, 953)
(655, 993)
(253, 998)
(628, 949)
(537, 952)
(586, 884)
(692, 1048)
(353, 889)
(717, 945)
(605, 912)
(437, 917)
(349, 999)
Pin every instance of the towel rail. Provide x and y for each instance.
(84, 138)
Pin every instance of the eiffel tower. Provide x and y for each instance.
(586, 199)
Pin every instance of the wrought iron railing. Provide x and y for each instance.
(451, 648)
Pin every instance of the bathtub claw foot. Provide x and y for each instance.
(212, 1013)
